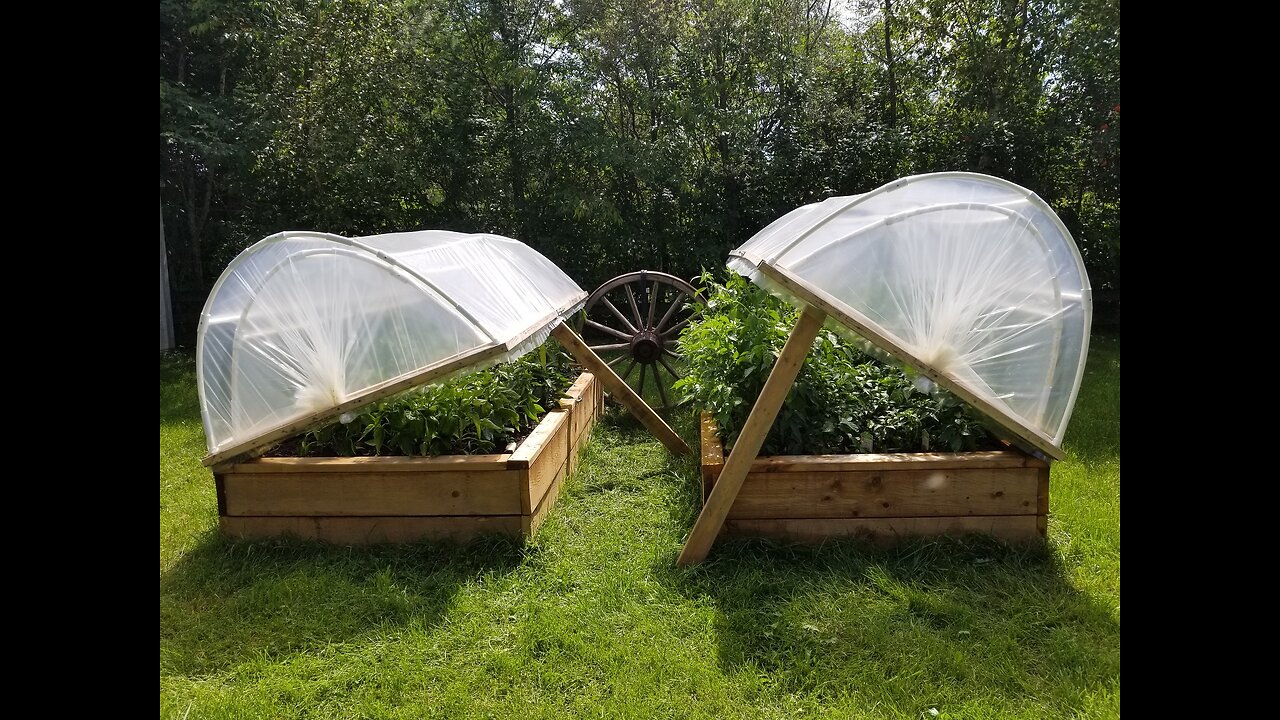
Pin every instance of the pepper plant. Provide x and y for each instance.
(481, 412)
(844, 400)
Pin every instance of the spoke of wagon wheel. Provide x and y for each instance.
(657, 380)
(677, 356)
(614, 346)
(627, 373)
(619, 390)
(653, 301)
(631, 298)
(671, 311)
(674, 374)
(617, 312)
(607, 329)
(640, 390)
(617, 359)
(675, 328)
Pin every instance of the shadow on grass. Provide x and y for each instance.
(225, 603)
(620, 430)
(970, 614)
(964, 617)
(951, 618)
(680, 418)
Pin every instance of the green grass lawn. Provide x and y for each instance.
(593, 619)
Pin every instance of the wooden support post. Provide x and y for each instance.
(782, 377)
(620, 390)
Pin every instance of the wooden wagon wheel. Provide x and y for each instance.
(633, 322)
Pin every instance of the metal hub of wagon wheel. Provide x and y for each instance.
(633, 322)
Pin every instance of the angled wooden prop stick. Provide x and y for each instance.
(781, 378)
(619, 389)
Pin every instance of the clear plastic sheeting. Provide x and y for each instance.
(302, 323)
(971, 277)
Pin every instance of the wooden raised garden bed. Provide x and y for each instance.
(810, 498)
(362, 500)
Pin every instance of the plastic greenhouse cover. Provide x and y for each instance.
(303, 326)
(972, 280)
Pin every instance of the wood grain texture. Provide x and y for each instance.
(1014, 528)
(568, 405)
(754, 430)
(1042, 476)
(400, 499)
(580, 402)
(995, 459)
(807, 490)
(491, 492)
(549, 462)
(534, 520)
(581, 388)
(572, 410)
(583, 397)
(897, 493)
(620, 390)
(371, 530)
(541, 437)
(712, 458)
(710, 451)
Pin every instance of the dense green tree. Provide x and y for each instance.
(614, 135)
(204, 158)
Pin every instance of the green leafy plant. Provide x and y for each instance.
(844, 401)
(481, 412)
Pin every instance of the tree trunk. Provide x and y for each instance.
(517, 178)
(888, 63)
(732, 191)
(197, 211)
(517, 175)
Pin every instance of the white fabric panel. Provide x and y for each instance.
(302, 322)
(973, 276)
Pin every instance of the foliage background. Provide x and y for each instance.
(613, 135)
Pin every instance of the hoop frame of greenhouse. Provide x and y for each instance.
(304, 327)
(971, 281)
